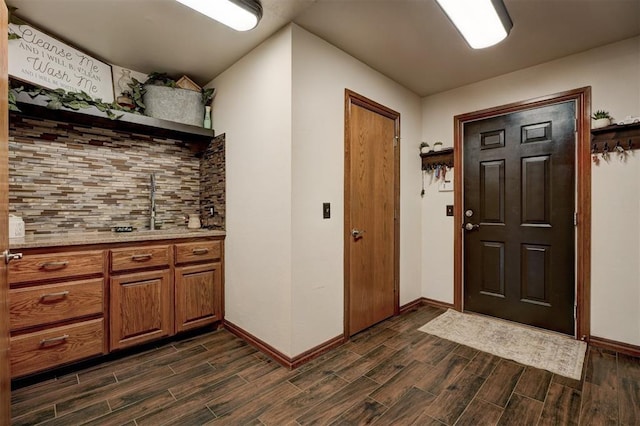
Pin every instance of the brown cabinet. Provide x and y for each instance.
(44, 304)
(132, 258)
(56, 309)
(198, 282)
(39, 267)
(52, 347)
(67, 305)
(141, 308)
(198, 295)
(198, 252)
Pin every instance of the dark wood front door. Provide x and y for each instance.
(5, 375)
(371, 203)
(518, 213)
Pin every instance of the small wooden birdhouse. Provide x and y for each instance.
(186, 83)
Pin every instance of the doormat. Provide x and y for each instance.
(542, 349)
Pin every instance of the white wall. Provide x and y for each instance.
(321, 72)
(613, 72)
(282, 109)
(253, 108)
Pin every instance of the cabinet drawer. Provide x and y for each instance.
(56, 346)
(46, 304)
(195, 252)
(37, 267)
(126, 259)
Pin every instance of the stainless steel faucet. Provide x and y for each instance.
(152, 196)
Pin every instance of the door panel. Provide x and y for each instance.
(492, 268)
(5, 376)
(371, 197)
(519, 184)
(492, 191)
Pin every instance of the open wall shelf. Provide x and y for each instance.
(437, 158)
(607, 138)
(37, 107)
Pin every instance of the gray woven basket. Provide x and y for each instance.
(174, 104)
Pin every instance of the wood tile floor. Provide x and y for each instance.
(391, 374)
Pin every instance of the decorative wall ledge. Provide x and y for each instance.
(92, 117)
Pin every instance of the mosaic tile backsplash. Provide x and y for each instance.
(67, 178)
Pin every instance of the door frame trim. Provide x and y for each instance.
(353, 98)
(582, 97)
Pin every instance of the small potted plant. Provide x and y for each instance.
(424, 148)
(600, 119)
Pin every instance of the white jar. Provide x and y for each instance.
(16, 227)
(194, 221)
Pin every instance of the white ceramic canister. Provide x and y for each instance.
(194, 221)
(16, 226)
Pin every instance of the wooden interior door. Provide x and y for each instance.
(371, 211)
(519, 206)
(5, 376)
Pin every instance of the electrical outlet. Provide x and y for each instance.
(326, 210)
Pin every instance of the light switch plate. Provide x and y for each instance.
(326, 210)
(445, 186)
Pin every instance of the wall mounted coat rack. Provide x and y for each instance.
(616, 138)
(433, 159)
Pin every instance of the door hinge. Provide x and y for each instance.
(395, 141)
(575, 218)
(575, 311)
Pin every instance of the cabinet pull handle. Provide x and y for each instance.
(53, 265)
(141, 257)
(200, 251)
(54, 340)
(52, 295)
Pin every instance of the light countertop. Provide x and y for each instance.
(75, 239)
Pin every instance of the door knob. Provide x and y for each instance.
(8, 256)
(471, 226)
(356, 233)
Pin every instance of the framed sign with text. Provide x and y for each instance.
(45, 61)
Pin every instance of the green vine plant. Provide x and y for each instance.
(12, 101)
(59, 98)
(207, 96)
(13, 19)
(136, 94)
(160, 79)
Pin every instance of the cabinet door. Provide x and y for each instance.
(141, 308)
(198, 295)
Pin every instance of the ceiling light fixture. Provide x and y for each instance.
(482, 23)
(241, 15)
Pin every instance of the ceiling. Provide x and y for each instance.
(410, 41)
